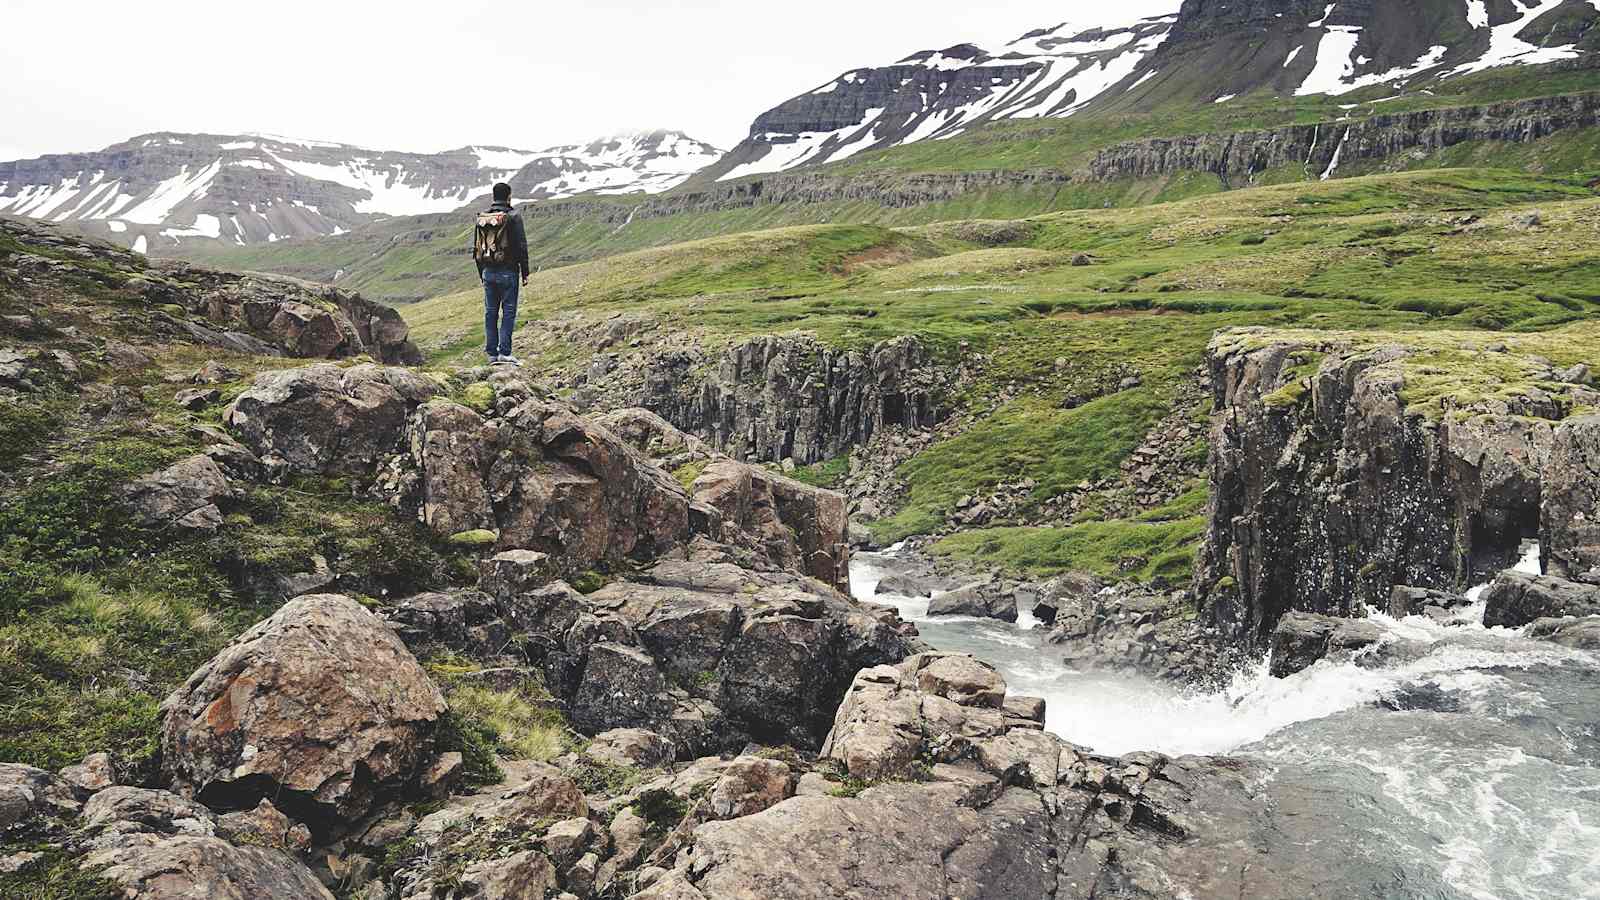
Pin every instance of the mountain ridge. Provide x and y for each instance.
(156, 191)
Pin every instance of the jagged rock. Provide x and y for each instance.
(986, 600)
(198, 399)
(799, 527)
(631, 747)
(264, 826)
(94, 773)
(115, 813)
(1515, 599)
(319, 707)
(749, 785)
(655, 437)
(565, 841)
(1570, 507)
(1071, 590)
(327, 420)
(1580, 633)
(34, 796)
(325, 324)
(513, 572)
(545, 480)
(1300, 639)
(183, 495)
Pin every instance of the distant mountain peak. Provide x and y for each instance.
(161, 189)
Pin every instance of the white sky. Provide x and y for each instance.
(406, 75)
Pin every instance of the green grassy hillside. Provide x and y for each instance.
(1459, 249)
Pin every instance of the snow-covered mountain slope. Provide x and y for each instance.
(1204, 51)
(160, 190)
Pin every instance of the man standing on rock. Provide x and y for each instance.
(500, 248)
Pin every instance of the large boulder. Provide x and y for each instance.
(543, 479)
(798, 527)
(985, 600)
(319, 708)
(1301, 639)
(1569, 631)
(1515, 599)
(1570, 509)
(307, 321)
(327, 420)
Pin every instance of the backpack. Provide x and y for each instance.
(492, 244)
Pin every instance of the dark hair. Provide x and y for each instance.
(502, 193)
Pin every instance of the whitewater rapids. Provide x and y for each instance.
(1477, 749)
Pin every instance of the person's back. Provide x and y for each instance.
(500, 249)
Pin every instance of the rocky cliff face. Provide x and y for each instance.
(1338, 472)
(157, 191)
(1321, 149)
(774, 398)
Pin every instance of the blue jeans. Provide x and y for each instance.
(499, 310)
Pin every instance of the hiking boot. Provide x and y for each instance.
(493, 359)
(509, 361)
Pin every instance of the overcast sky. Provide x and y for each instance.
(442, 74)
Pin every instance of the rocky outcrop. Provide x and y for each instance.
(800, 528)
(1515, 599)
(319, 708)
(1440, 606)
(254, 314)
(1570, 506)
(159, 846)
(1331, 482)
(1317, 148)
(1301, 639)
(775, 398)
(327, 420)
(963, 799)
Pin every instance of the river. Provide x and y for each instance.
(1473, 756)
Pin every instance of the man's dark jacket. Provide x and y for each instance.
(519, 242)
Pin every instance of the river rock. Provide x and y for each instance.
(905, 585)
(1405, 600)
(1515, 599)
(319, 708)
(985, 600)
(1570, 510)
(1571, 631)
(1300, 639)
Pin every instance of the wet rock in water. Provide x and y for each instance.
(242, 728)
(985, 600)
(906, 585)
(1515, 599)
(959, 803)
(1301, 639)
(1570, 631)
(1072, 590)
(1440, 606)
(1428, 696)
